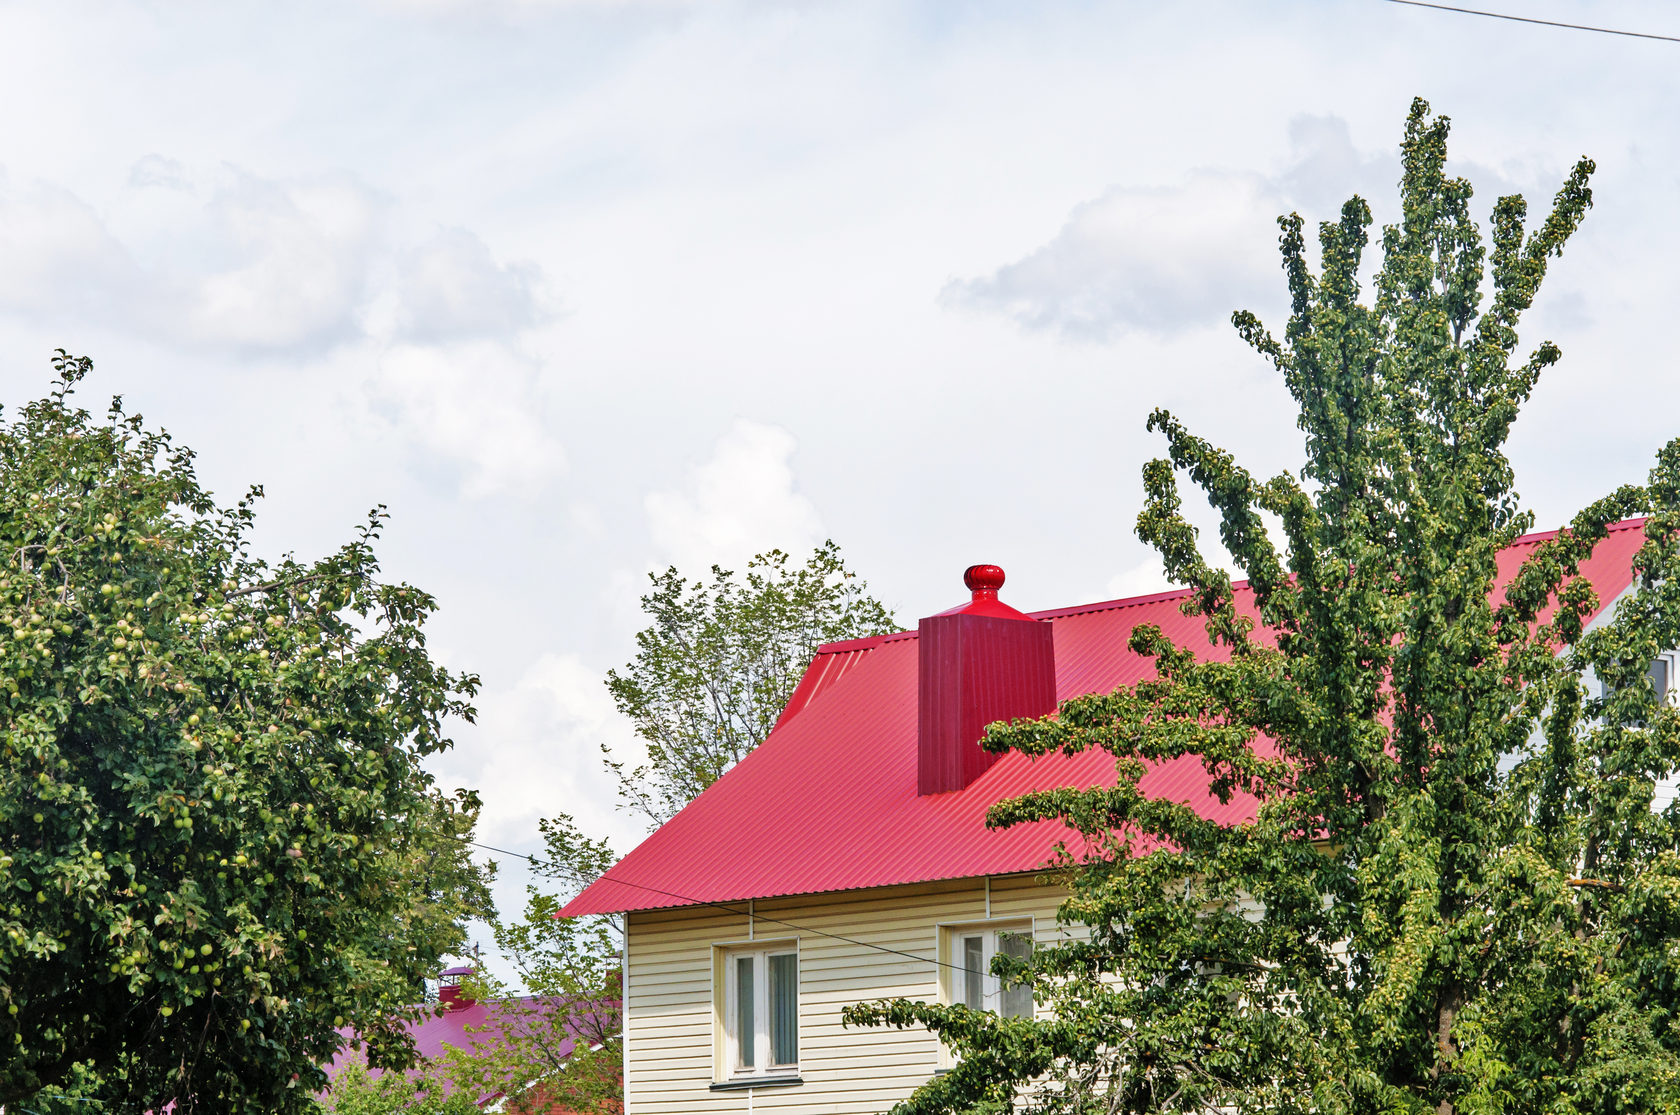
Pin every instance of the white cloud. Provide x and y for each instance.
(155, 170)
(536, 752)
(539, 753)
(231, 260)
(739, 502)
(451, 286)
(481, 8)
(1325, 167)
(1153, 260)
(586, 519)
(1165, 259)
(301, 269)
(57, 258)
(477, 403)
(294, 266)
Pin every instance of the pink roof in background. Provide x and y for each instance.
(459, 1026)
(829, 801)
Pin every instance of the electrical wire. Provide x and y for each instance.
(1541, 22)
(503, 851)
(756, 916)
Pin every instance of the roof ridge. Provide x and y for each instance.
(1122, 602)
(871, 641)
(1534, 537)
(1155, 598)
(866, 642)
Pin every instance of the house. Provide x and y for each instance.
(847, 859)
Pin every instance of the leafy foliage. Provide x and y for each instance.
(217, 842)
(712, 672)
(714, 669)
(1456, 895)
(355, 1091)
(562, 1042)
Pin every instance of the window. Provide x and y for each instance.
(759, 1011)
(1663, 673)
(969, 951)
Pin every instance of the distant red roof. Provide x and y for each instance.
(473, 1022)
(829, 801)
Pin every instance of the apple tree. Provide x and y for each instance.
(218, 843)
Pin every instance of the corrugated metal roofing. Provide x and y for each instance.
(829, 801)
(829, 666)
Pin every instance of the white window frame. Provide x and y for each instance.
(1671, 659)
(728, 1067)
(954, 984)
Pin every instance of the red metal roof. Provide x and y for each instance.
(829, 801)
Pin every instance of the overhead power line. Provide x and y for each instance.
(1541, 22)
(756, 916)
(503, 851)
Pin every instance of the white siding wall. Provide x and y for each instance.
(671, 1027)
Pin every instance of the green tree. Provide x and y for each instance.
(1456, 896)
(719, 661)
(217, 841)
(712, 672)
(355, 1091)
(561, 1041)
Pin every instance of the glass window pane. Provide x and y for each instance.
(1659, 678)
(1017, 999)
(784, 1009)
(973, 973)
(745, 1029)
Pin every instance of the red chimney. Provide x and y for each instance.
(980, 663)
(451, 995)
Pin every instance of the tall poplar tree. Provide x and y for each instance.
(1456, 895)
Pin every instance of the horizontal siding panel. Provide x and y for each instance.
(852, 948)
(668, 1046)
(690, 1041)
(687, 991)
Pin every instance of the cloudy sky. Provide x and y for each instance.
(580, 289)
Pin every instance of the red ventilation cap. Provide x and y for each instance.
(984, 580)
